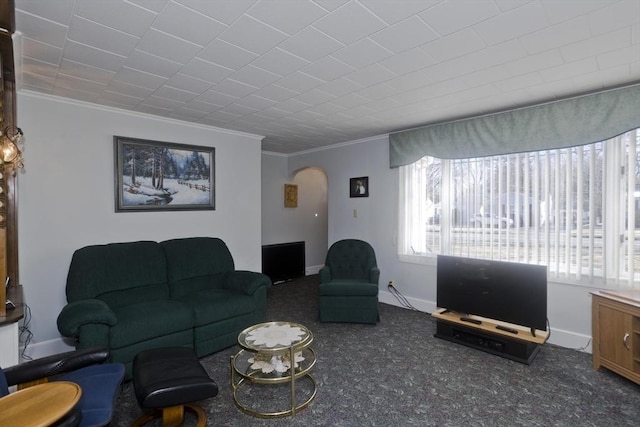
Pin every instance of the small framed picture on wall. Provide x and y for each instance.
(290, 196)
(359, 187)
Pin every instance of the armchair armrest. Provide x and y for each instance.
(325, 274)
(79, 313)
(374, 275)
(55, 364)
(246, 281)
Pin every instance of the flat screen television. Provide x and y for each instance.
(507, 291)
(283, 261)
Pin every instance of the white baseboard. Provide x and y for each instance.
(45, 348)
(313, 269)
(571, 340)
(420, 304)
(558, 337)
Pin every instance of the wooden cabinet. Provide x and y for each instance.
(616, 332)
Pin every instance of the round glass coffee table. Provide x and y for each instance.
(264, 367)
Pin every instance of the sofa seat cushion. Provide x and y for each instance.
(214, 305)
(346, 287)
(147, 320)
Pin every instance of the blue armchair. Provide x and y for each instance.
(100, 382)
(349, 283)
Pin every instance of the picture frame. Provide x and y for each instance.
(359, 187)
(290, 196)
(162, 176)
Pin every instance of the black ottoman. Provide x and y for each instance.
(168, 380)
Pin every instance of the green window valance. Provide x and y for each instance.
(575, 121)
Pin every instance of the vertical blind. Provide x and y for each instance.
(574, 209)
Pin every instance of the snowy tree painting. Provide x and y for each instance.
(153, 175)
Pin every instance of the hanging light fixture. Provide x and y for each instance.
(10, 152)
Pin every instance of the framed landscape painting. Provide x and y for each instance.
(163, 176)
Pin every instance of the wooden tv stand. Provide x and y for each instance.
(504, 339)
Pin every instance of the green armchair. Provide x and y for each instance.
(349, 283)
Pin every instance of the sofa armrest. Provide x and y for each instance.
(325, 274)
(374, 275)
(56, 364)
(246, 281)
(79, 313)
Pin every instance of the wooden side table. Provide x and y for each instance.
(616, 332)
(40, 405)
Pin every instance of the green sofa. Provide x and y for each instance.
(139, 295)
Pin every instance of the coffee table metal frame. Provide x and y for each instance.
(256, 376)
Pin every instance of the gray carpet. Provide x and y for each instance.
(397, 374)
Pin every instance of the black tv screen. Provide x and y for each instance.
(511, 292)
(283, 261)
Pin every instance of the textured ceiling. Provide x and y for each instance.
(310, 73)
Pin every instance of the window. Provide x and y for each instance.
(576, 210)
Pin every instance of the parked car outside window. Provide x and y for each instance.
(487, 220)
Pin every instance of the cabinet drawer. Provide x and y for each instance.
(616, 337)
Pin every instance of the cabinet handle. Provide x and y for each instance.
(624, 341)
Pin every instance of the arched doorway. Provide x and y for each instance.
(307, 221)
(312, 221)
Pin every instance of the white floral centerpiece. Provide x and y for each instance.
(272, 336)
(277, 362)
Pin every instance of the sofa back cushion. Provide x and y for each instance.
(119, 274)
(196, 263)
(351, 259)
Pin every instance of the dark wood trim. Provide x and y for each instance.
(7, 20)
(7, 16)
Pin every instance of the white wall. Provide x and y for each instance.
(66, 194)
(308, 221)
(569, 306)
